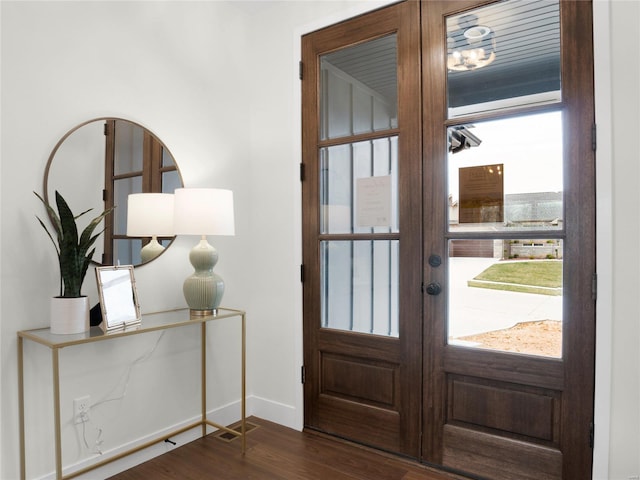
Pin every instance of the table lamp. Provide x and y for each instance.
(203, 211)
(150, 215)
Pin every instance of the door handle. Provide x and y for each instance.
(434, 288)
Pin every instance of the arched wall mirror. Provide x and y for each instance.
(97, 165)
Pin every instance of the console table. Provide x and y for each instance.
(150, 323)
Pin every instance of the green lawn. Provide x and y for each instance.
(529, 274)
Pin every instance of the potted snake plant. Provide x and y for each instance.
(70, 309)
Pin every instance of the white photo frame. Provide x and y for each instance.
(118, 297)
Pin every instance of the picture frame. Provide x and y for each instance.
(118, 297)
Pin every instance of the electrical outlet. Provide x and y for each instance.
(81, 409)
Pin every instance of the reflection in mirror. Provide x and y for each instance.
(150, 215)
(97, 165)
(118, 297)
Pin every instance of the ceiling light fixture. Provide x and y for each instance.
(470, 47)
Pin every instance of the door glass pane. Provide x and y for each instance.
(127, 251)
(506, 174)
(502, 55)
(360, 286)
(170, 181)
(358, 187)
(128, 147)
(359, 89)
(122, 188)
(167, 158)
(506, 295)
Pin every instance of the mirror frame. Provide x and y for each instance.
(50, 162)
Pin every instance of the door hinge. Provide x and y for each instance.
(591, 434)
(106, 129)
(303, 374)
(104, 195)
(302, 273)
(594, 136)
(594, 287)
(300, 70)
(302, 172)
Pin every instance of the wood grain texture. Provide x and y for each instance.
(276, 452)
(349, 377)
(504, 409)
(499, 458)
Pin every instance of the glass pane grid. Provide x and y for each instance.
(358, 188)
(506, 176)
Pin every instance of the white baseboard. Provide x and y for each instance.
(275, 412)
(225, 415)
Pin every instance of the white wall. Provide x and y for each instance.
(217, 83)
(180, 70)
(276, 296)
(624, 451)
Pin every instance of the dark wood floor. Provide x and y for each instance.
(277, 452)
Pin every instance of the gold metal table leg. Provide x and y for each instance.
(244, 388)
(56, 410)
(21, 407)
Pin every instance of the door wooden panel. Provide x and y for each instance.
(359, 380)
(502, 407)
(491, 456)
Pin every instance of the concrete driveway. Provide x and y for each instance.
(477, 310)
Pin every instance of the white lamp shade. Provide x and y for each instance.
(203, 211)
(150, 214)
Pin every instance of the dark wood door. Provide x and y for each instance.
(509, 160)
(481, 362)
(361, 220)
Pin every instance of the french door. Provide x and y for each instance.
(361, 290)
(448, 234)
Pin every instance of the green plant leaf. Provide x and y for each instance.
(70, 264)
(53, 216)
(55, 245)
(85, 239)
(72, 251)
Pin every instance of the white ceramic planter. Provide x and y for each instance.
(69, 315)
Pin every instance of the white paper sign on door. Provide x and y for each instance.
(373, 201)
